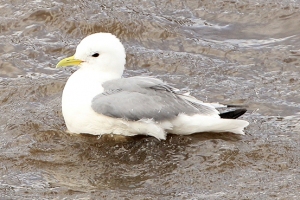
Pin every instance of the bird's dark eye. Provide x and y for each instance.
(95, 55)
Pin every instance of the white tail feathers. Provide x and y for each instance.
(185, 125)
(231, 125)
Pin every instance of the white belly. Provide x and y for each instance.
(84, 120)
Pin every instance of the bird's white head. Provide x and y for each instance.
(100, 51)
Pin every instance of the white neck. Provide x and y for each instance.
(84, 84)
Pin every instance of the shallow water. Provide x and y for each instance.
(237, 52)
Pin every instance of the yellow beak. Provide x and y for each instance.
(70, 61)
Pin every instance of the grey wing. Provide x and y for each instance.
(138, 98)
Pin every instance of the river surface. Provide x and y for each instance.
(229, 51)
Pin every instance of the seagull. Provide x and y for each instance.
(97, 100)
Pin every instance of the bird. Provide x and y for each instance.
(97, 100)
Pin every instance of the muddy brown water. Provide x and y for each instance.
(237, 52)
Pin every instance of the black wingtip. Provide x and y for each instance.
(236, 106)
(233, 114)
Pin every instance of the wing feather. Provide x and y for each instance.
(139, 98)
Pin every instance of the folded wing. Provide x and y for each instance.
(138, 98)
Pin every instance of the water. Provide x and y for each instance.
(237, 52)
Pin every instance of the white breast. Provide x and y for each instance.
(77, 96)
